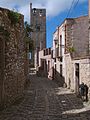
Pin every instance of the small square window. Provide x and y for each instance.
(38, 28)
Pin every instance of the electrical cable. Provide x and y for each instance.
(70, 9)
(75, 6)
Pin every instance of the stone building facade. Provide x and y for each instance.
(12, 56)
(38, 23)
(77, 71)
(77, 53)
(45, 63)
(71, 53)
(58, 55)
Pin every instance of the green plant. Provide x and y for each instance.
(4, 32)
(14, 17)
(28, 29)
(71, 49)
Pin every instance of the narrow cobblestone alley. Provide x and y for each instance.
(44, 100)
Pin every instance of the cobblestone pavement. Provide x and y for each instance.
(44, 100)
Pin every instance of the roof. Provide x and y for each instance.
(80, 17)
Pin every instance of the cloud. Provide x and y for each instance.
(53, 7)
(25, 10)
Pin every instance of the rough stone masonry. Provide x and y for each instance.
(12, 56)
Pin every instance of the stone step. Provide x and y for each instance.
(32, 71)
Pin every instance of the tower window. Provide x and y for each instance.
(38, 28)
(40, 13)
(34, 10)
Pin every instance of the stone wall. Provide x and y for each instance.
(69, 77)
(12, 57)
(80, 36)
(77, 36)
(84, 72)
(45, 63)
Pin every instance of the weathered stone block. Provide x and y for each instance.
(12, 57)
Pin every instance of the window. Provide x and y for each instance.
(55, 60)
(52, 54)
(60, 45)
(38, 28)
(60, 59)
(41, 11)
(60, 39)
(49, 51)
(44, 52)
(34, 10)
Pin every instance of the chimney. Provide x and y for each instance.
(30, 5)
(30, 12)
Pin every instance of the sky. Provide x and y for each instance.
(57, 11)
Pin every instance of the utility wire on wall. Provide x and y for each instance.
(72, 8)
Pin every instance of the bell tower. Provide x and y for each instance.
(38, 22)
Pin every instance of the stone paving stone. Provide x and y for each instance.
(42, 102)
(18, 118)
(64, 116)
